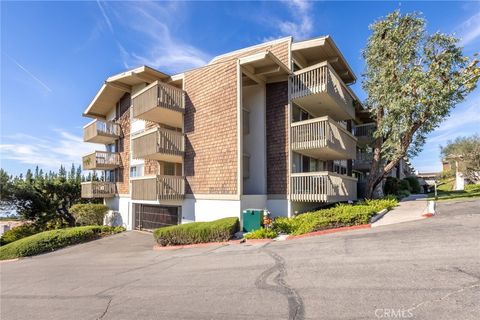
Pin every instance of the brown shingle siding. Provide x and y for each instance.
(277, 137)
(211, 129)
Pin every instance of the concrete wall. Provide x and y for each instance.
(254, 143)
(124, 206)
(209, 210)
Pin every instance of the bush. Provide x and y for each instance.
(403, 194)
(389, 202)
(472, 188)
(414, 184)
(18, 232)
(197, 232)
(391, 186)
(52, 240)
(88, 214)
(262, 234)
(339, 216)
(404, 185)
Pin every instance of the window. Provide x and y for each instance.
(246, 121)
(169, 169)
(246, 166)
(136, 171)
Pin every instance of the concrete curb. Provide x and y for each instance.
(329, 231)
(253, 241)
(158, 247)
(378, 216)
(9, 260)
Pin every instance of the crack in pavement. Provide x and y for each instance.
(295, 303)
(106, 309)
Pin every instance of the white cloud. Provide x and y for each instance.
(469, 30)
(301, 25)
(151, 23)
(61, 148)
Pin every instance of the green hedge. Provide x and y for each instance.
(262, 234)
(414, 184)
(54, 239)
(18, 232)
(342, 215)
(197, 232)
(88, 214)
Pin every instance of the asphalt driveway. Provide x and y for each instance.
(427, 269)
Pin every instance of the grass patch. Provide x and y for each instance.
(342, 215)
(262, 234)
(52, 240)
(471, 191)
(197, 232)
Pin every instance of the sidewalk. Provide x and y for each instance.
(409, 209)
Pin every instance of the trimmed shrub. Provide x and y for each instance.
(414, 184)
(18, 232)
(197, 232)
(404, 185)
(52, 240)
(88, 214)
(403, 194)
(341, 215)
(262, 234)
(391, 185)
(389, 202)
(472, 188)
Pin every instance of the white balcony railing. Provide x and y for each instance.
(323, 137)
(159, 187)
(365, 130)
(99, 131)
(323, 186)
(318, 79)
(101, 160)
(98, 189)
(159, 144)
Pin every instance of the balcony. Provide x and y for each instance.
(324, 139)
(103, 132)
(160, 102)
(319, 90)
(364, 132)
(158, 188)
(101, 160)
(98, 189)
(322, 186)
(363, 161)
(159, 144)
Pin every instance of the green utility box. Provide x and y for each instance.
(252, 219)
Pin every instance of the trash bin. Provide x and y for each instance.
(252, 219)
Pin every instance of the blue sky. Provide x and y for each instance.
(55, 56)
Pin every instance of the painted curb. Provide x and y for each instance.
(427, 215)
(329, 231)
(158, 247)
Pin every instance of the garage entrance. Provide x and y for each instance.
(150, 217)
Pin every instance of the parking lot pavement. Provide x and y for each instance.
(426, 269)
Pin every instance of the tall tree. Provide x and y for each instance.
(413, 80)
(464, 152)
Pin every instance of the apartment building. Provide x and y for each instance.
(268, 126)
